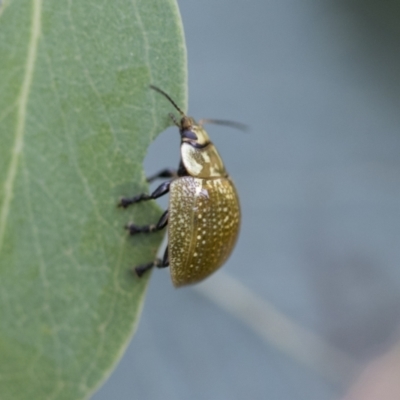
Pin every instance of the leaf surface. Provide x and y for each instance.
(76, 118)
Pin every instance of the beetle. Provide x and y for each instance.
(203, 215)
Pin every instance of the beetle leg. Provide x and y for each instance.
(165, 262)
(165, 173)
(141, 269)
(160, 191)
(161, 224)
(158, 263)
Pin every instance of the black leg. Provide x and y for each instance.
(158, 263)
(161, 224)
(165, 173)
(165, 261)
(160, 191)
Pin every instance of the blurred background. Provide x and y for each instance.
(319, 181)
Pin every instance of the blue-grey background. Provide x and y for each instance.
(319, 182)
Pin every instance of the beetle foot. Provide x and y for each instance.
(140, 270)
(133, 229)
(124, 202)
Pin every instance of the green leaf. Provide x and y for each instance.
(76, 118)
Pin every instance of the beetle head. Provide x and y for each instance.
(190, 131)
(193, 133)
(199, 155)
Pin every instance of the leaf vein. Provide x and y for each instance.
(21, 117)
(42, 271)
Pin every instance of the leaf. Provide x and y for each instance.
(76, 118)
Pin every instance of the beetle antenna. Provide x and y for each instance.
(233, 124)
(174, 120)
(168, 97)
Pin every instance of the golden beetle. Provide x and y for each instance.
(203, 216)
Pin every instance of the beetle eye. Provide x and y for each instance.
(189, 135)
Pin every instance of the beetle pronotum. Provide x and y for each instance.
(203, 216)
